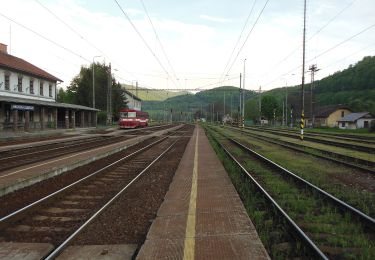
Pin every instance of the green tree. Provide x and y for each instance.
(252, 109)
(269, 105)
(80, 90)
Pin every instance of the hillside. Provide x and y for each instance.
(354, 86)
(153, 94)
(202, 100)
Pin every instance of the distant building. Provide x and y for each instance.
(356, 120)
(134, 102)
(28, 99)
(327, 116)
(227, 119)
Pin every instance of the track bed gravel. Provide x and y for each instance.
(23, 197)
(127, 221)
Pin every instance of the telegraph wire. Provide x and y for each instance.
(239, 38)
(80, 35)
(144, 41)
(354, 53)
(248, 35)
(326, 51)
(316, 33)
(45, 38)
(344, 41)
(71, 28)
(158, 39)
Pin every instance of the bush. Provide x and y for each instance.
(102, 118)
(372, 126)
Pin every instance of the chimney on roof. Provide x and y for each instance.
(3, 48)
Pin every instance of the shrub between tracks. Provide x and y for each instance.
(338, 234)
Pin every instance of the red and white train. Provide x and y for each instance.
(131, 118)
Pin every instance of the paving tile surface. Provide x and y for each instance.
(213, 213)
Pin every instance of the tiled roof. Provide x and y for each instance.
(326, 111)
(354, 117)
(12, 62)
(132, 95)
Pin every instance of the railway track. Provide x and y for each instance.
(59, 217)
(368, 148)
(323, 226)
(343, 137)
(15, 158)
(356, 163)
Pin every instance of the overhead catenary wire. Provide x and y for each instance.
(314, 34)
(158, 39)
(45, 38)
(144, 41)
(324, 52)
(239, 38)
(248, 35)
(81, 36)
(70, 27)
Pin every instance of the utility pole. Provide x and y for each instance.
(260, 105)
(231, 105)
(136, 89)
(243, 94)
(109, 96)
(303, 72)
(283, 114)
(240, 107)
(313, 69)
(286, 103)
(224, 102)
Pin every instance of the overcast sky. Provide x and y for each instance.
(198, 37)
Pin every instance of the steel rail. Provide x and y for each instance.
(300, 148)
(317, 140)
(57, 251)
(67, 143)
(61, 140)
(108, 141)
(344, 137)
(14, 215)
(315, 249)
(369, 221)
(58, 148)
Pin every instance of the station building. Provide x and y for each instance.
(28, 99)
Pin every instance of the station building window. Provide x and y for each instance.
(6, 81)
(19, 85)
(50, 90)
(41, 88)
(31, 86)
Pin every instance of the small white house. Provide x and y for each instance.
(356, 120)
(134, 102)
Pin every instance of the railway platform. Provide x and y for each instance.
(23, 176)
(202, 216)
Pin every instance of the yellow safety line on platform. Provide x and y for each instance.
(189, 246)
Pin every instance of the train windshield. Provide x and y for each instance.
(128, 114)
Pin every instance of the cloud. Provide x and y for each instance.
(214, 19)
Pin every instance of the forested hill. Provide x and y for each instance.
(354, 86)
(204, 99)
(152, 94)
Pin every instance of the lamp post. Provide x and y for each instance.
(93, 80)
(243, 94)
